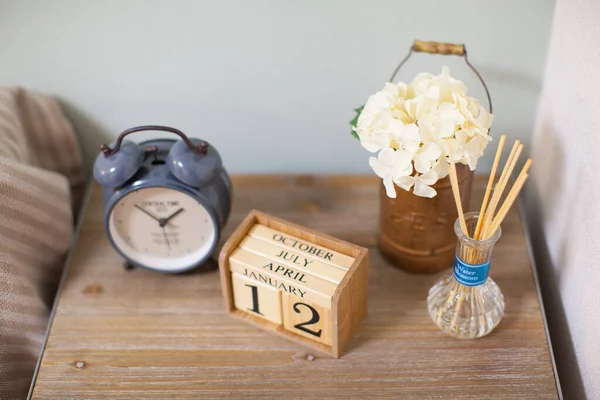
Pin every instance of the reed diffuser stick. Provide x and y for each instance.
(488, 190)
(456, 193)
(463, 226)
(510, 199)
(499, 189)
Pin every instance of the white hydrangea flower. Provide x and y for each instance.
(421, 183)
(417, 128)
(391, 164)
(426, 157)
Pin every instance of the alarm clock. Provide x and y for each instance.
(166, 201)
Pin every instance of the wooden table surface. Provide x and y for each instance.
(139, 334)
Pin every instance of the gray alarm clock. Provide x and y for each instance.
(166, 201)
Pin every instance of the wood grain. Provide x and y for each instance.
(140, 334)
(439, 48)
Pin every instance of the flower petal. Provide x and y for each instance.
(475, 146)
(472, 163)
(433, 92)
(449, 112)
(484, 119)
(445, 129)
(442, 168)
(409, 138)
(423, 190)
(426, 131)
(419, 85)
(402, 163)
(422, 164)
(426, 157)
(391, 89)
(462, 137)
(386, 157)
(390, 190)
(405, 182)
(378, 122)
(411, 108)
(431, 151)
(425, 108)
(380, 169)
(368, 143)
(448, 85)
(451, 148)
(395, 127)
(429, 178)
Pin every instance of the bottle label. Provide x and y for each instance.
(469, 274)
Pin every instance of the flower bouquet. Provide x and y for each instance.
(416, 130)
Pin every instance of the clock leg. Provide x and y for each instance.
(128, 266)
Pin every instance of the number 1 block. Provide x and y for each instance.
(305, 319)
(260, 300)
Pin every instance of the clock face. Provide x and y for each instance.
(162, 228)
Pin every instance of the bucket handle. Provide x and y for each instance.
(420, 46)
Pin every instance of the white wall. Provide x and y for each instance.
(565, 194)
(271, 83)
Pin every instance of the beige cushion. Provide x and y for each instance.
(40, 169)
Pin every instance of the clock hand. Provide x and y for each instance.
(147, 213)
(164, 221)
(166, 238)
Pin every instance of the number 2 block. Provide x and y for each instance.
(303, 318)
(260, 300)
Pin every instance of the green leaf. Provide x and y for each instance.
(354, 121)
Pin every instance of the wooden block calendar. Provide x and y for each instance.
(304, 285)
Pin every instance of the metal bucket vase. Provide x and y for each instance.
(417, 233)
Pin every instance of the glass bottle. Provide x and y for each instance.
(468, 304)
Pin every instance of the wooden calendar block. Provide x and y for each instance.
(293, 259)
(321, 282)
(306, 319)
(259, 299)
(285, 279)
(304, 246)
